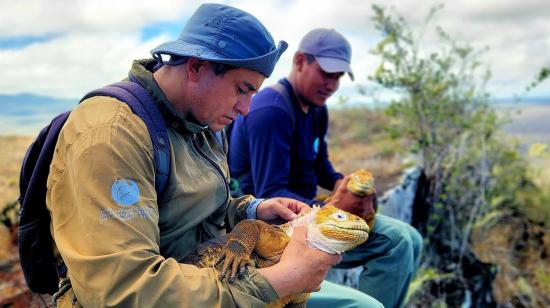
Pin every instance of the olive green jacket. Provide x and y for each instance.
(127, 254)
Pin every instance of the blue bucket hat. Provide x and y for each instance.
(225, 34)
(330, 48)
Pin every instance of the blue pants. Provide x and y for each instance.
(333, 295)
(390, 258)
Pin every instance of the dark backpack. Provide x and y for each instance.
(41, 268)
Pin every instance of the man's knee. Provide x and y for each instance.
(404, 239)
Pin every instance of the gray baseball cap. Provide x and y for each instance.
(225, 34)
(330, 48)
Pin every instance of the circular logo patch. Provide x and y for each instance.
(125, 192)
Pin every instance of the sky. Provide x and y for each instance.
(64, 48)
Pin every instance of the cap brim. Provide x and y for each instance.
(335, 65)
(263, 64)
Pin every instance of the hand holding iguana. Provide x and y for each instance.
(259, 244)
(356, 194)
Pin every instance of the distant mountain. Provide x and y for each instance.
(497, 102)
(529, 123)
(523, 101)
(26, 113)
(25, 104)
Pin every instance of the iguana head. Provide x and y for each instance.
(361, 183)
(335, 231)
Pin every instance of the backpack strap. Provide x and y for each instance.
(284, 92)
(320, 113)
(277, 87)
(141, 103)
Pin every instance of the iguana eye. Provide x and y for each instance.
(340, 216)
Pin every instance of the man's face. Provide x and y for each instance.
(315, 86)
(219, 99)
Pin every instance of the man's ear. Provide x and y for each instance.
(194, 68)
(299, 60)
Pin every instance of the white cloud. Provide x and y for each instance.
(37, 17)
(100, 38)
(71, 65)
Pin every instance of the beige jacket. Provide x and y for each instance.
(127, 255)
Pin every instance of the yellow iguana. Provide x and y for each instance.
(361, 184)
(259, 244)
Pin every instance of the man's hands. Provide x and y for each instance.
(349, 202)
(301, 268)
(285, 208)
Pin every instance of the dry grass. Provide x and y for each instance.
(386, 168)
(358, 139)
(12, 286)
(12, 150)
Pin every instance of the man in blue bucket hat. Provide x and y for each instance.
(119, 236)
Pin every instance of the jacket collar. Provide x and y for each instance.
(143, 70)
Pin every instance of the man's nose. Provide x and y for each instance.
(243, 104)
(332, 84)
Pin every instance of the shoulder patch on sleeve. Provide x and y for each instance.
(125, 192)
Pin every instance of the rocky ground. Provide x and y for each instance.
(13, 289)
(520, 249)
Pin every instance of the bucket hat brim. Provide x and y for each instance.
(263, 64)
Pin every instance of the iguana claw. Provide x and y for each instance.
(235, 261)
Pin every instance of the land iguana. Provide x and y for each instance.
(259, 244)
(361, 183)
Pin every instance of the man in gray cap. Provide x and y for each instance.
(122, 242)
(280, 150)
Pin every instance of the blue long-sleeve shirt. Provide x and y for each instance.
(273, 155)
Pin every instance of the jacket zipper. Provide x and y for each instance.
(218, 169)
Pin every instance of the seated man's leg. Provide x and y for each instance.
(390, 258)
(334, 295)
(418, 244)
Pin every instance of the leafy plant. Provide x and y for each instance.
(444, 110)
(542, 75)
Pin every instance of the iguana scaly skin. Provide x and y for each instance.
(259, 244)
